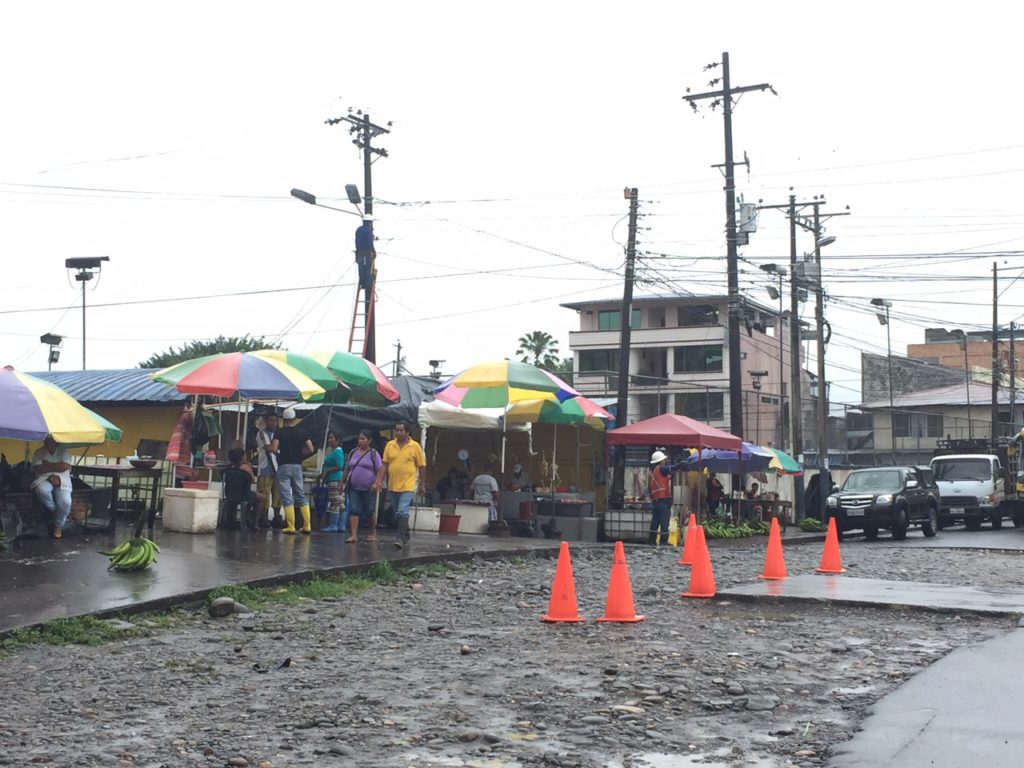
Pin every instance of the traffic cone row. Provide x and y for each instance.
(619, 606)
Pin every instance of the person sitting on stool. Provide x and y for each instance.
(52, 484)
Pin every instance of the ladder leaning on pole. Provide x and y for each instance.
(362, 318)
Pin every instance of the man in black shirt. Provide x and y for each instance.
(292, 446)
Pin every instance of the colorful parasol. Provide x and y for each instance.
(313, 368)
(750, 458)
(496, 384)
(783, 463)
(367, 382)
(31, 409)
(578, 410)
(244, 374)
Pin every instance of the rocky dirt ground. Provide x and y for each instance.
(455, 669)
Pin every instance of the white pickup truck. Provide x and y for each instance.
(971, 490)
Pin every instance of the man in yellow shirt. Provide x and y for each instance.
(404, 464)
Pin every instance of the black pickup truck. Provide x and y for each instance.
(886, 497)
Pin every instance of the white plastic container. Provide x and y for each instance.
(188, 510)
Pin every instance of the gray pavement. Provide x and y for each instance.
(849, 590)
(962, 710)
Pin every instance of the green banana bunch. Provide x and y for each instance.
(133, 554)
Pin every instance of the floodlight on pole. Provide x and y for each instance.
(884, 320)
(53, 341)
(310, 199)
(87, 267)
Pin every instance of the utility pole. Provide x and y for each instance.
(1013, 384)
(397, 367)
(724, 97)
(618, 491)
(995, 352)
(365, 132)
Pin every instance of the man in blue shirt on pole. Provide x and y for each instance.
(365, 255)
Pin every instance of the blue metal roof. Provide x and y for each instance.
(132, 385)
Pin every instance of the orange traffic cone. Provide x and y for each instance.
(619, 604)
(774, 562)
(690, 544)
(831, 560)
(702, 580)
(562, 606)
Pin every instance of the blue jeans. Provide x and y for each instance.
(56, 500)
(400, 502)
(290, 485)
(661, 511)
(360, 504)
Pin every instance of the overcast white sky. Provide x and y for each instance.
(167, 137)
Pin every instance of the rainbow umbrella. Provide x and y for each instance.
(578, 410)
(497, 383)
(313, 368)
(244, 374)
(367, 383)
(31, 409)
(783, 463)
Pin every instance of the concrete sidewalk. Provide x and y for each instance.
(46, 579)
(962, 710)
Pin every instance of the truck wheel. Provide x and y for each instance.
(1018, 519)
(899, 524)
(972, 523)
(870, 532)
(997, 520)
(930, 526)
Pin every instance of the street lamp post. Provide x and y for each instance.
(757, 376)
(53, 341)
(776, 293)
(824, 478)
(87, 268)
(884, 320)
(967, 381)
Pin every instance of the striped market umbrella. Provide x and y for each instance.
(783, 463)
(367, 383)
(244, 374)
(498, 383)
(31, 409)
(313, 368)
(578, 410)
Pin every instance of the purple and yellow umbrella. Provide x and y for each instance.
(313, 368)
(244, 374)
(498, 383)
(31, 409)
(367, 383)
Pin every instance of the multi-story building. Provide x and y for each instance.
(679, 360)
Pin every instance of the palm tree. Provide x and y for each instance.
(538, 348)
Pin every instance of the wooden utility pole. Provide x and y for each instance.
(365, 131)
(994, 435)
(724, 98)
(618, 492)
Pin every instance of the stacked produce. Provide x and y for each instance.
(133, 554)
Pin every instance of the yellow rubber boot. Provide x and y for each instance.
(304, 511)
(289, 520)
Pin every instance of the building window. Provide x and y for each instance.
(592, 360)
(704, 406)
(705, 358)
(611, 319)
(698, 315)
(917, 425)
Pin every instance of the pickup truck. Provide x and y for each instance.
(972, 490)
(886, 497)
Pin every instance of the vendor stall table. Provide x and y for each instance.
(142, 480)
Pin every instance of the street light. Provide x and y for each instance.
(757, 376)
(53, 341)
(87, 268)
(776, 293)
(883, 319)
(306, 197)
(824, 478)
(962, 337)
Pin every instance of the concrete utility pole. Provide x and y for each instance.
(995, 352)
(1013, 384)
(365, 132)
(724, 97)
(618, 491)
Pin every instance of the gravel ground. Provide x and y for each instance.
(457, 670)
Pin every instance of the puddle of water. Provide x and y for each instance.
(665, 760)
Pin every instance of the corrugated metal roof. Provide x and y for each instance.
(955, 394)
(132, 385)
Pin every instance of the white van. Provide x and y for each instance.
(970, 490)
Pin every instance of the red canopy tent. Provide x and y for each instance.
(671, 429)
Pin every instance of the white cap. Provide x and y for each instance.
(657, 457)
(289, 414)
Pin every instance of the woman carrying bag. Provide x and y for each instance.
(359, 477)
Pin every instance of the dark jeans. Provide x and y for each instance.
(661, 511)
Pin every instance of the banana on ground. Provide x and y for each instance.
(134, 554)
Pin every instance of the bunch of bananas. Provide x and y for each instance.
(133, 554)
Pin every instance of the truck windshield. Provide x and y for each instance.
(873, 480)
(962, 469)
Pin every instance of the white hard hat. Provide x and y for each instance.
(289, 414)
(657, 457)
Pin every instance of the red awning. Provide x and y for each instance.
(671, 429)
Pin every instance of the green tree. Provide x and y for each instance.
(202, 348)
(538, 348)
